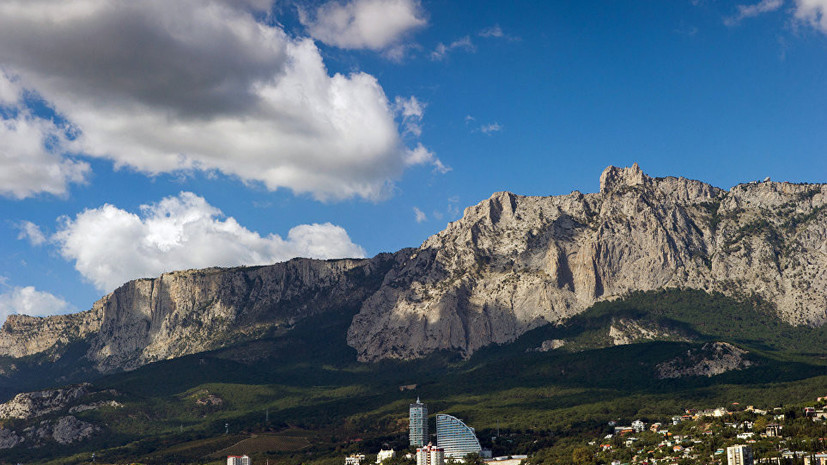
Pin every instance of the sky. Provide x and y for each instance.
(145, 136)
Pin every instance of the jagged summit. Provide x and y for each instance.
(614, 178)
(510, 264)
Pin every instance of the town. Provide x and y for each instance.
(732, 435)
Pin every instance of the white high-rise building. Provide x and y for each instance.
(739, 455)
(238, 460)
(418, 431)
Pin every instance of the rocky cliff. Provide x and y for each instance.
(192, 311)
(512, 263)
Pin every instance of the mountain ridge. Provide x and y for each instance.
(510, 264)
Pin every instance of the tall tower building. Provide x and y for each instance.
(418, 432)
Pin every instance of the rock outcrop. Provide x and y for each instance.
(64, 430)
(510, 264)
(709, 360)
(36, 404)
(625, 332)
(48, 416)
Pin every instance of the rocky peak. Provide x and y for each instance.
(513, 263)
(614, 178)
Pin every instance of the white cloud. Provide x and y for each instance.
(29, 301)
(442, 50)
(493, 31)
(165, 87)
(419, 215)
(490, 128)
(750, 11)
(422, 156)
(812, 12)
(411, 110)
(364, 24)
(28, 164)
(496, 32)
(31, 232)
(111, 246)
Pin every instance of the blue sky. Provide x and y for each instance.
(147, 136)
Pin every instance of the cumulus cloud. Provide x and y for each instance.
(442, 50)
(419, 215)
(749, 11)
(28, 163)
(364, 24)
(163, 87)
(110, 246)
(812, 12)
(31, 232)
(29, 301)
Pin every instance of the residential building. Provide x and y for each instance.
(355, 459)
(385, 455)
(430, 455)
(773, 430)
(238, 460)
(455, 437)
(638, 426)
(817, 459)
(739, 455)
(418, 429)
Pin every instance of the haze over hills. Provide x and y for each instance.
(511, 264)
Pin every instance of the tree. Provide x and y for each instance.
(472, 458)
(760, 424)
(582, 456)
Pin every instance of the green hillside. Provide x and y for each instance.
(300, 397)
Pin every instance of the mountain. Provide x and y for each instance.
(511, 264)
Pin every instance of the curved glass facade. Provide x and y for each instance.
(455, 437)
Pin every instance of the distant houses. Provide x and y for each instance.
(238, 460)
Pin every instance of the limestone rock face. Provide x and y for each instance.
(186, 312)
(513, 263)
(510, 264)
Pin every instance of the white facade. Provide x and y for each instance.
(638, 426)
(238, 460)
(384, 455)
(430, 455)
(739, 455)
(355, 459)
